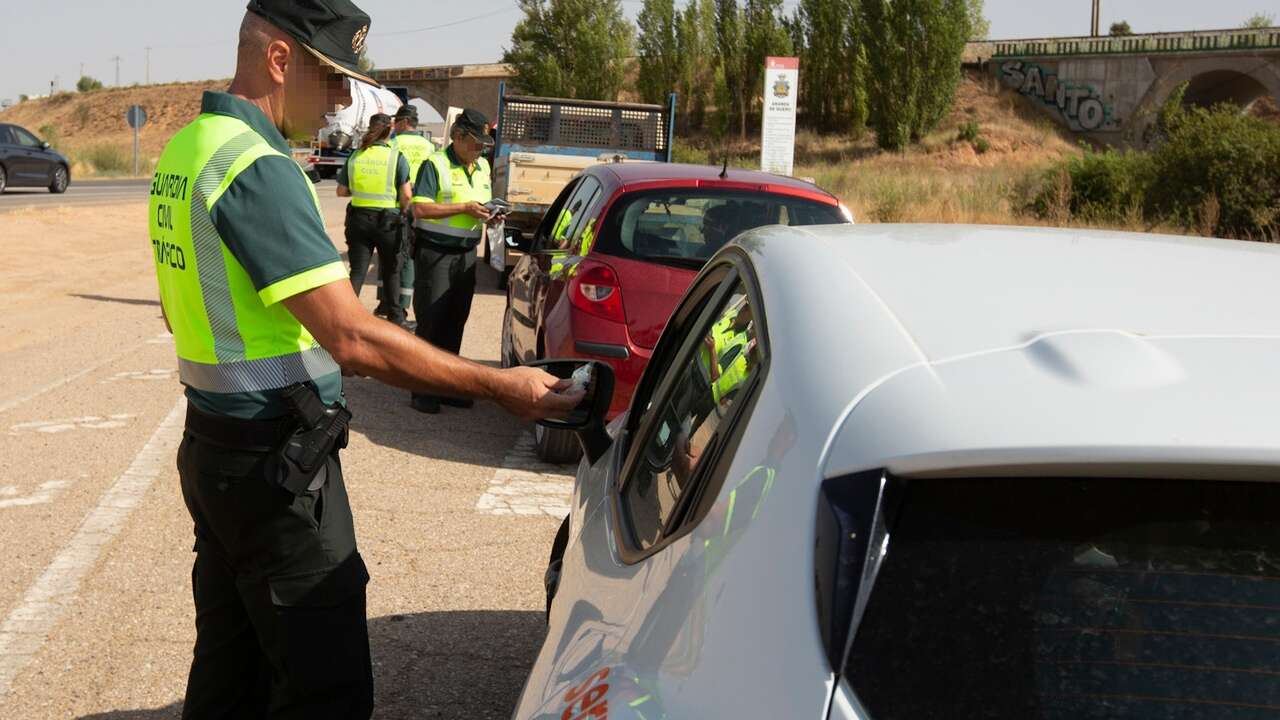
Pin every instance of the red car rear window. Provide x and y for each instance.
(688, 225)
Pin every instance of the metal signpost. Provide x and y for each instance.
(136, 117)
(778, 125)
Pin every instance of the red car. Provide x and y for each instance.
(616, 251)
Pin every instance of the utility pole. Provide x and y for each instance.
(81, 69)
(148, 65)
(1097, 18)
(117, 59)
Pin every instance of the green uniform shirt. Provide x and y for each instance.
(427, 184)
(268, 221)
(402, 174)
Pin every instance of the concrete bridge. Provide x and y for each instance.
(473, 86)
(1108, 88)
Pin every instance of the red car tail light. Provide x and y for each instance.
(595, 290)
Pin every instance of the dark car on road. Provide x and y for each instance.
(28, 161)
(618, 248)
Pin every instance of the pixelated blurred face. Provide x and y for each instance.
(466, 147)
(312, 90)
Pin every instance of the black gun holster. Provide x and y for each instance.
(321, 431)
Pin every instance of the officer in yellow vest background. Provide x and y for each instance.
(376, 178)
(263, 318)
(448, 206)
(416, 148)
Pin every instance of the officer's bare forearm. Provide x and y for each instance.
(369, 346)
(344, 191)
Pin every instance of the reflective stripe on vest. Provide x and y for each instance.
(226, 339)
(416, 149)
(371, 177)
(459, 230)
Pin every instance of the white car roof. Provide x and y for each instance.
(951, 349)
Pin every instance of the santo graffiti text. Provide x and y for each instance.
(1080, 105)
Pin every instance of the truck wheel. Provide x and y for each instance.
(556, 446)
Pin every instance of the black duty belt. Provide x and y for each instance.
(252, 435)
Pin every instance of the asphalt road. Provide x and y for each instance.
(95, 611)
(95, 192)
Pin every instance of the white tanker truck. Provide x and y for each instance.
(335, 142)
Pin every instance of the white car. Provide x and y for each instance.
(936, 472)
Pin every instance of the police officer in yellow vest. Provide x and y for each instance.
(416, 148)
(263, 317)
(448, 206)
(376, 178)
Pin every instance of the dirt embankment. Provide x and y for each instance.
(79, 123)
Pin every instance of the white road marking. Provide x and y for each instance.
(11, 404)
(525, 485)
(161, 339)
(91, 422)
(45, 493)
(25, 630)
(145, 375)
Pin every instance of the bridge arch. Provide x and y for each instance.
(1214, 80)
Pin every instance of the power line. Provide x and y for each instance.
(473, 18)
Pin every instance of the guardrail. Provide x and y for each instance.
(1153, 43)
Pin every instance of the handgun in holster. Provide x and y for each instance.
(321, 431)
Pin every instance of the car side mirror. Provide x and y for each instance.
(519, 241)
(44, 145)
(589, 418)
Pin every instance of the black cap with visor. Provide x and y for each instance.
(474, 123)
(333, 30)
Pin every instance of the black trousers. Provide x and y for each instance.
(279, 593)
(369, 231)
(444, 286)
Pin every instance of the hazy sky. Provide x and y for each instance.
(41, 41)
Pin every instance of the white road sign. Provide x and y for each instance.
(778, 131)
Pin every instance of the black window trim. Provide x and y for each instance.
(734, 266)
(543, 231)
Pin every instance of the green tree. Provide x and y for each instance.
(87, 84)
(913, 50)
(696, 47)
(1259, 20)
(831, 56)
(656, 44)
(979, 25)
(1121, 29)
(571, 48)
(365, 63)
(766, 35)
(731, 46)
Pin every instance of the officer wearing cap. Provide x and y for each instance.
(376, 178)
(416, 148)
(263, 318)
(449, 218)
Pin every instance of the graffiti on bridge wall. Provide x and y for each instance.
(1080, 105)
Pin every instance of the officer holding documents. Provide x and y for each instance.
(376, 178)
(265, 323)
(449, 213)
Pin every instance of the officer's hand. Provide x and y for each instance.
(477, 211)
(532, 394)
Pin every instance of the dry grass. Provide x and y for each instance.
(950, 176)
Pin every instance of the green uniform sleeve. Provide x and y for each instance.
(402, 170)
(270, 223)
(427, 184)
(344, 173)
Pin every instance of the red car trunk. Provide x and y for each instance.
(649, 291)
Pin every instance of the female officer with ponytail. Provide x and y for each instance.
(376, 178)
